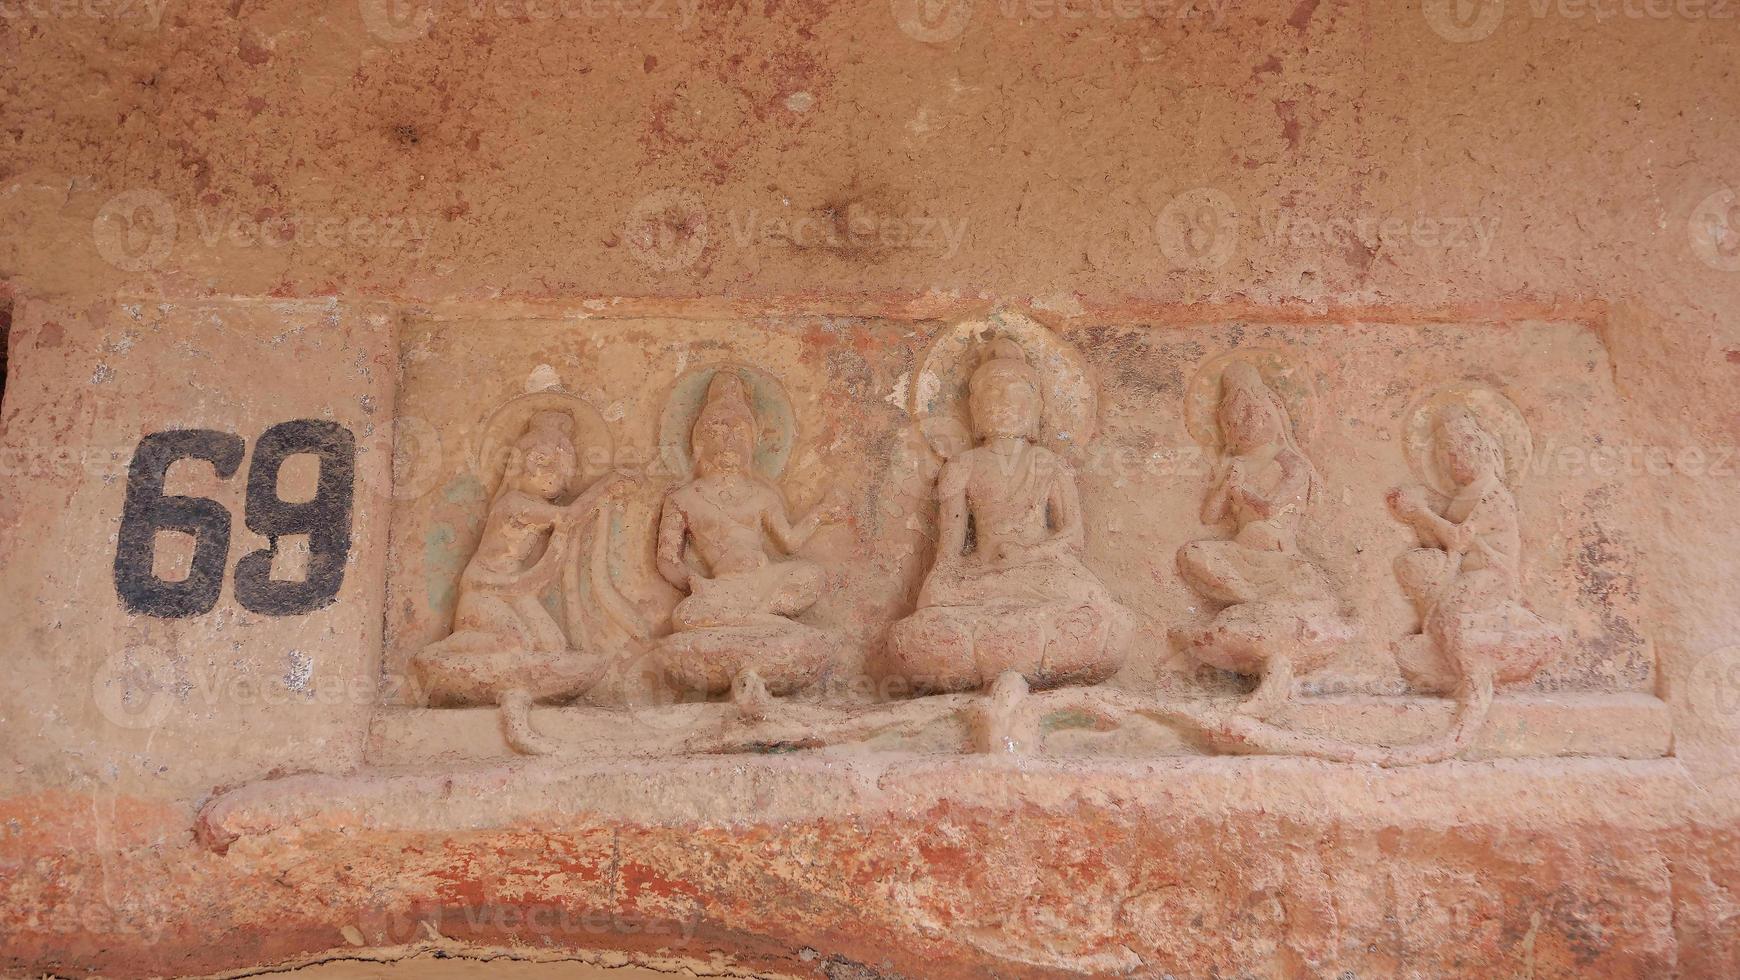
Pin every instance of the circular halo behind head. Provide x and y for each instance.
(768, 401)
(1280, 373)
(1497, 415)
(938, 402)
(593, 447)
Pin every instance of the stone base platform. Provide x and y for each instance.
(1624, 726)
(902, 865)
(918, 866)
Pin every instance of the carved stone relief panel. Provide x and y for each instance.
(1278, 614)
(1007, 592)
(736, 625)
(663, 537)
(1472, 448)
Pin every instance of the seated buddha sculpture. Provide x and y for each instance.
(1278, 616)
(1008, 593)
(736, 618)
(1465, 579)
(505, 639)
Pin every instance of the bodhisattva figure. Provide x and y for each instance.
(507, 646)
(1008, 595)
(735, 625)
(1466, 578)
(1279, 616)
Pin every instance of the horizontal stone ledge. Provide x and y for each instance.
(1621, 726)
(547, 796)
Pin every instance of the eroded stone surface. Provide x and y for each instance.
(910, 869)
(1280, 617)
(1400, 196)
(630, 527)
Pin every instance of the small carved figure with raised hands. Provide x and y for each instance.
(1279, 616)
(1465, 579)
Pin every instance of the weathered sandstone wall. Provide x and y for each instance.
(388, 219)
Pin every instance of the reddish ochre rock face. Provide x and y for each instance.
(1109, 872)
(901, 489)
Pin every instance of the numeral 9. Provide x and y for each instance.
(325, 519)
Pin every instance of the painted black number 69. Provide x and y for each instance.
(325, 519)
